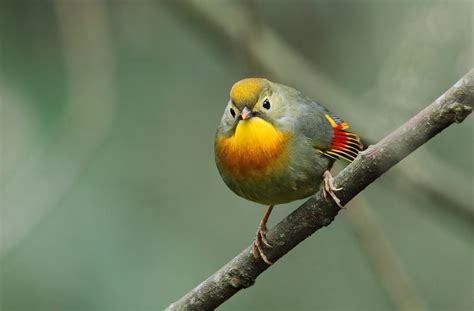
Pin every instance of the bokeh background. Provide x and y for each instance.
(110, 199)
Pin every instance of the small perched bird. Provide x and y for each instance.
(274, 145)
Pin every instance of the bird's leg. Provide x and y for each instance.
(329, 188)
(261, 237)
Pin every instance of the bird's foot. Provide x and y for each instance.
(259, 242)
(329, 188)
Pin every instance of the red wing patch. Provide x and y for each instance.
(345, 145)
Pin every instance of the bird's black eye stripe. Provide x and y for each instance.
(232, 112)
(266, 104)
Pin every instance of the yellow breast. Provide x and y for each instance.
(256, 149)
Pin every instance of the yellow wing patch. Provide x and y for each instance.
(345, 145)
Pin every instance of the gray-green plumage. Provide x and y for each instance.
(305, 120)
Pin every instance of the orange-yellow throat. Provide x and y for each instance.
(256, 149)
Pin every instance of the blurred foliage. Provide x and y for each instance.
(110, 196)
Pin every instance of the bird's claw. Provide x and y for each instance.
(330, 188)
(259, 242)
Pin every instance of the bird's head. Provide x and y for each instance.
(254, 100)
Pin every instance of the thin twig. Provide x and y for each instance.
(452, 107)
(382, 256)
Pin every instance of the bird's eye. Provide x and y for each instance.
(266, 104)
(232, 112)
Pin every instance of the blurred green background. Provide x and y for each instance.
(110, 199)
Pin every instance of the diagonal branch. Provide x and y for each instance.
(451, 107)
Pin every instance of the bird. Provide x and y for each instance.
(275, 145)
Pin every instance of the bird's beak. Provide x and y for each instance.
(246, 113)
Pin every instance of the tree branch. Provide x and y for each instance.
(317, 212)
